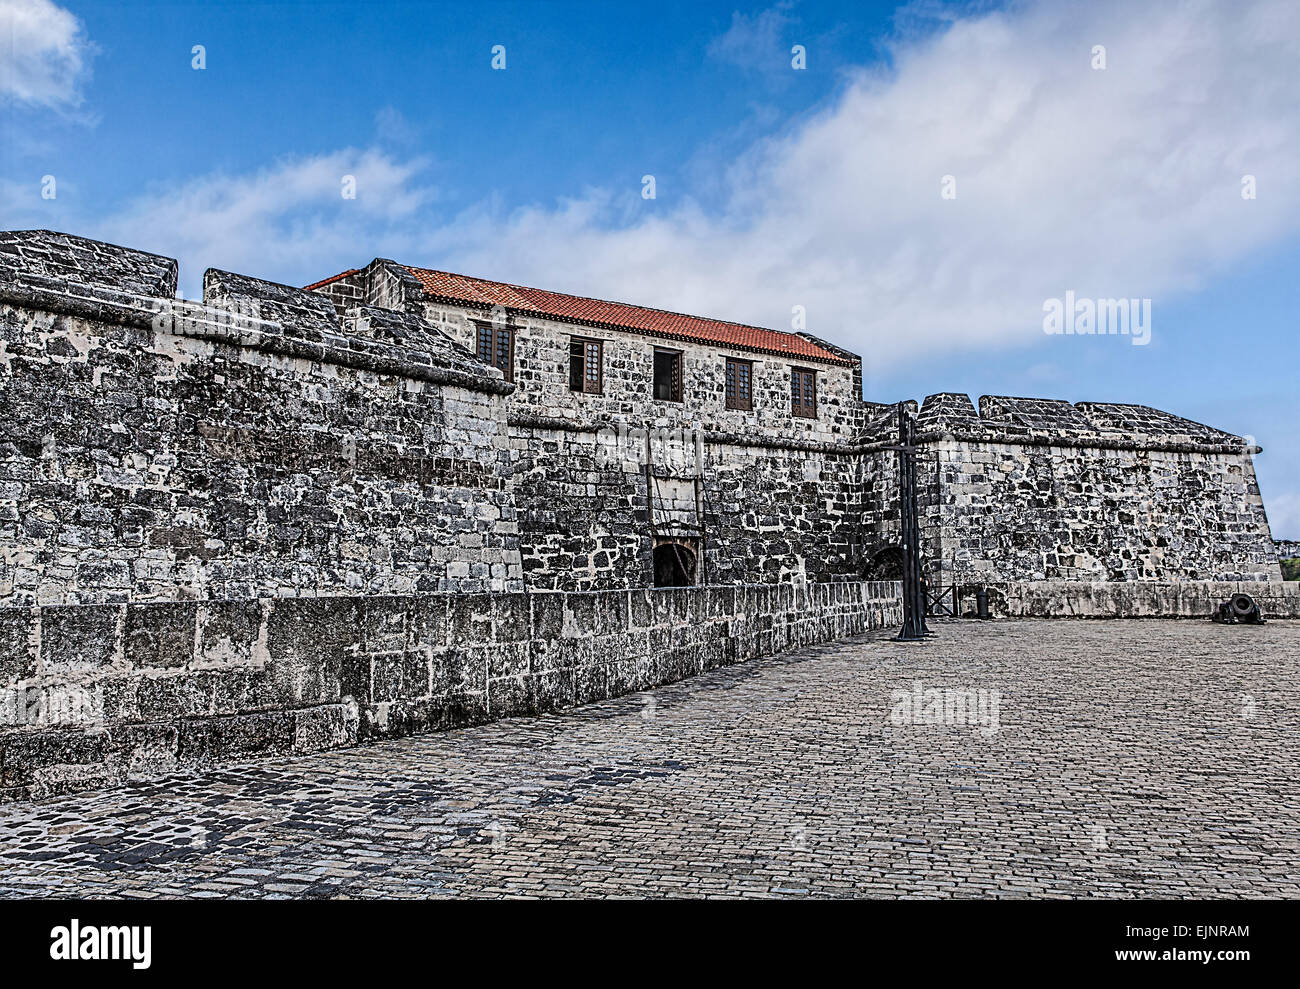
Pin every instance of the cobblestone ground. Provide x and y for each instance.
(1133, 758)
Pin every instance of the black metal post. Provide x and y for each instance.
(913, 591)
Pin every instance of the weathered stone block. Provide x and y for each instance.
(17, 644)
(79, 637)
(385, 624)
(160, 636)
(144, 751)
(327, 726)
(33, 755)
(508, 659)
(228, 632)
(214, 740)
(307, 642)
(511, 618)
(180, 695)
(399, 676)
(552, 690)
(510, 697)
(458, 671)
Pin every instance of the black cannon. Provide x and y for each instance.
(1240, 609)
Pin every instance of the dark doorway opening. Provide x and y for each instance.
(887, 564)
(674, 565)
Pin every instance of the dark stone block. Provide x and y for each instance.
(462, 708)
(590, 684)
(160, 635)
(27, 752)
(508, 660)
(552, 691)
(399, 676)
(228, 631)
(458, 671)
(184, 695)
(622, 677)
(237, 691)
(220, 739)
(509, 697)
(611, 615)
(327, 726)
(548, 616)
(308, 640)
(17, 644)
(584, 610)
(79, 637)
(642, 607)
(385, 624)
(469, 619)
(511, 618)
(429, 618)
(144, 751)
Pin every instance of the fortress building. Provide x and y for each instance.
(285, 518)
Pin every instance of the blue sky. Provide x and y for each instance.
(775, 187)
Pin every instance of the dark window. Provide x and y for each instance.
(674, 565)
(496, 346)
(586, 365)
(668, 375)
(740, 384)
(803, 393)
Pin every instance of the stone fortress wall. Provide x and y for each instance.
(1037, 489)
(92, 695)
(284, 519)
(160, 451)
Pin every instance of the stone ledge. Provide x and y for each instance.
(100, 694)
(1133, 599)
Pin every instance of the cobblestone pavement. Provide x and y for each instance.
(1132, 758)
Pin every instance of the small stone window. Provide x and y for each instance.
(803, 393)
(586, 365)
(496, 347)
(740, 384)
(668, 375)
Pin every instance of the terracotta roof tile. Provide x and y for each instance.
(329, 281)
(462, 289)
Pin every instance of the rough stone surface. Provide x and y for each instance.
(1133, 759)
(275, 442)
(1034, 489)
(104, 693)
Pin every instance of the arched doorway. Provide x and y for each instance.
(886, 564)
(674, 564)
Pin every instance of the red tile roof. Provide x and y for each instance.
(329, 281)
(462, 289)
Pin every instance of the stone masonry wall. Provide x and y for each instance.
(91, 695)
(782, 495)
(153, 451)
(1034, 489)
(1131, 599)
(781, 498)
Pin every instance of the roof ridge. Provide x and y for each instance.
(608, 302)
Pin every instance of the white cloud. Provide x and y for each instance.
(287, 222)
(1116, 183)
(1120, 182)
(44, 54)
(755, 42)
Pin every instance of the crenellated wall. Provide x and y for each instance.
(251, 446)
